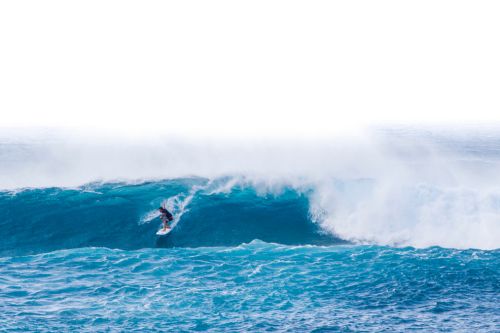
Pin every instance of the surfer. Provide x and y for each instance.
(165, 217)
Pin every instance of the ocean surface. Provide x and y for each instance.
(402, 246)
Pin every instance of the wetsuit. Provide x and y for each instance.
(165, 214)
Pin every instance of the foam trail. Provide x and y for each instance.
(149, 216)
(176, 204)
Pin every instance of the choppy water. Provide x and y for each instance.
(252, 287)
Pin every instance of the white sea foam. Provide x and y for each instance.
(177, 204)
(403, 188)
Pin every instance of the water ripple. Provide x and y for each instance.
(254, 287)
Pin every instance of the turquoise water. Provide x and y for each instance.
(252, 287)
(88, 260)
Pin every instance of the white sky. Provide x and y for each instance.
(248, 67)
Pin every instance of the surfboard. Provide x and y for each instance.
(163, 232)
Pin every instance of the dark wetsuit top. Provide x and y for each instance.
(165, 213)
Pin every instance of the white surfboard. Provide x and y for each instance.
(163, 232)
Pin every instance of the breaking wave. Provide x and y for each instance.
(402, 189)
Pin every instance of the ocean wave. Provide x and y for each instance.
(213, 213)
(399, 189)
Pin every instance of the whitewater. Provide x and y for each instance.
(395, 231)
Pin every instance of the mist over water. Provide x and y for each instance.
(399, 187)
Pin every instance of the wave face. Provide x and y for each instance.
(125, 216)
(256, 287)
